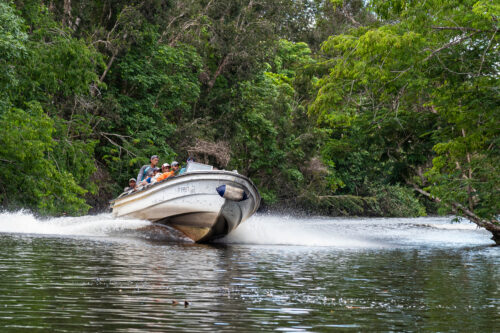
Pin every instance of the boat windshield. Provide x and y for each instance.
(194, 166)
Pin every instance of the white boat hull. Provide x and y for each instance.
(191, 204)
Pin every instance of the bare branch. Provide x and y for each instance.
(220, 69)
(450, 44)
(464, 29)
(117, 135)
(486, 50)
(105, 135)
(349, 17)
(67, 13)
(220, 150)
(108, 67)
(187, 25)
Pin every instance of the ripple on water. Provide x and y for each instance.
(396, 275)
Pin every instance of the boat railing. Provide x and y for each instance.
(148, 186)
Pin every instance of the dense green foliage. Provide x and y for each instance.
(417, 101)
(341, 107)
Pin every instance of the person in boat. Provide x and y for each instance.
(131, 185)
(144, 169)
(165, 167)
(149, 177)
(175, 167)
(189, 160)
(156, 174)
(165, 172)
(169, 172)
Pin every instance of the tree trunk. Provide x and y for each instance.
(108, 66)
(492, 226)
(67, 14)
(219, 71)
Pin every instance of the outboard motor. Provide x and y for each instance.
(232, 193)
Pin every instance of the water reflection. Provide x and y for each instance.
(79, 284)
(111, 283)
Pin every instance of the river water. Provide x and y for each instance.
(274, 273)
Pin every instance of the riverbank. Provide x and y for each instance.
(388, 201)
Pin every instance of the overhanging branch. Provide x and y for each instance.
(492, 226)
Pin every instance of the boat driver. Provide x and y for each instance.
(144, 170)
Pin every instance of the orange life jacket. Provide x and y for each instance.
(165, 175)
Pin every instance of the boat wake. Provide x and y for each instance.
(258, 230)
(264, 229)
(290, 230)
(101, 225)
(354, 233)
(451, 226)
(91, 225)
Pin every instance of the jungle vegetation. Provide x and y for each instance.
(379, 108)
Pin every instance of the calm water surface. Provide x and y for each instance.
(275, 273)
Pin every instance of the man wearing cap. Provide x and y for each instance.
(165, 167)
(175, 167)
(144, 170)
(167, 172)
(131, 185)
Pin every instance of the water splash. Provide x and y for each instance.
(452, 226)
(269, 229)
(352, 233)
(90, 225)
(290, 230)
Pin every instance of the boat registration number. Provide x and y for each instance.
(185, 189)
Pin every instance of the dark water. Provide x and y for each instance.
(274, 274)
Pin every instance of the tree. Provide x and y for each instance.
(46, 123)
(414, 69)
(118, 81)
(30, 177)
(153, 89)
(273, 141)
(12, 47)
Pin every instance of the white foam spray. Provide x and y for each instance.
(270, 229)
(290, 230)
(90, 225)
(352, 233)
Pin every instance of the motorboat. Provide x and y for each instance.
(202, 203)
